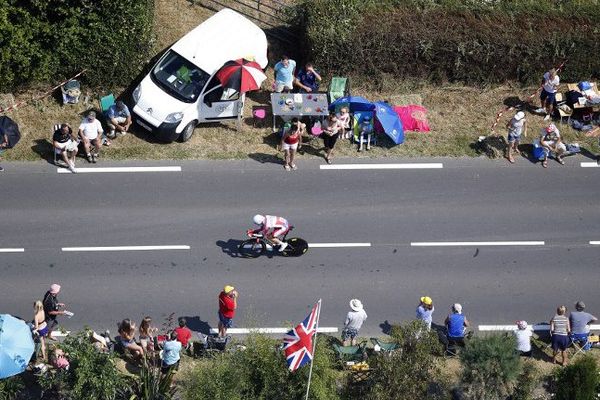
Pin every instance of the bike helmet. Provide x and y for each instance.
(259, 219)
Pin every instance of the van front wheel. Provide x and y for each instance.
(187, 132)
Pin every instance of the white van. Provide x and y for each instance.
(182, 90)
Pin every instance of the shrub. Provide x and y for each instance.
(260, 372)
(491, 367)
(44, 41)
(92, 375)
(469, 41)
(408, 370)
(578, 381)
(527, 382)
(11, 388)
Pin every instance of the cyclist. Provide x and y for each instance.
(272, 227)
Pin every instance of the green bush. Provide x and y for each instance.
(11, 388)
(260, 373)
(410, 369)
(91, 376)
(45, 41)
(527, 382)
(578, 381)
(470, 41)
(491, 367)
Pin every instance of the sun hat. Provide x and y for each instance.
(457, 308)
(522, 325)
(356, 305)
(426, 300)
(520, 115)
(227, 289)
(54, 288)
(550, 128)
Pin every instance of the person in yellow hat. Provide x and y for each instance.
(425, 311)
(227, 307)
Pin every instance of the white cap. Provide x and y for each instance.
(457, 308)
(520, 115)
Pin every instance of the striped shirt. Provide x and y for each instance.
(560, 325)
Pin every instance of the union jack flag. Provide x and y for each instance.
(298, 343)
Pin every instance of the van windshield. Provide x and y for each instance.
(179, 77)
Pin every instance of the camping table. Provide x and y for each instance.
(289, 105)
(579, 106)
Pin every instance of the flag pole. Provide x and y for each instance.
(314, 349)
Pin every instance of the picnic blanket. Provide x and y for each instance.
(413, 117)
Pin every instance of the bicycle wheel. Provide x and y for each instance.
(252, 248)
(296, 247)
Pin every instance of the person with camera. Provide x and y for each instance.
(227, 306)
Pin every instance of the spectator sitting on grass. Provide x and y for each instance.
(90, 132)
(456, 325)
(65, 145)
(308, 79)
(184, 334)
(127, 333)
(580, 322)
(523, 337)
(551, 143)
(118, 119)
(170, 355)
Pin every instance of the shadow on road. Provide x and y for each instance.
(230, 247)
(197, 325)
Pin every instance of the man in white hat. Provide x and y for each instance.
(552, 144)
(516, 126)
(353, 323)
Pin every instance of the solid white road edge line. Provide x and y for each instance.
(595, 242)
(15, 250)
(384, 166)
(442, 244)
(245, 331)
(323, 245)
(545, 327)
(589, 165)
(125, 248)
(119, 169)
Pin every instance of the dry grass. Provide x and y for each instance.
(458, 115)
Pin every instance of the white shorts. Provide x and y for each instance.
(281, 86)
(287, 146)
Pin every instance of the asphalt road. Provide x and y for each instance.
(209, 205)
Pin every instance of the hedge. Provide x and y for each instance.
(44, 41)
(466, 41)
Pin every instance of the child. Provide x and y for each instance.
(365, 129)
(59, 359)
(344, 118)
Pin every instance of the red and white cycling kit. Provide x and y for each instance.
(276, 225)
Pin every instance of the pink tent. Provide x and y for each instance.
(413, 117)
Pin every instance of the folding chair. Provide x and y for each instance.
(564, 111)
(384, 346)
(105, 103)
(580, 342)
(338, 87)
(357, 121)
(347, 354)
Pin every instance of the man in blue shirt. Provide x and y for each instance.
(284, 74)
(118, 119)
(170, 357)
(308, 79)
(456, 323)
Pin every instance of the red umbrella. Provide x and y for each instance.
(241, 75)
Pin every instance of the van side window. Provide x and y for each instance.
(215, 92)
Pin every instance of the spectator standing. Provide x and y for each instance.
(308, 79)
(552, 144)
(559, 330)
(580, 322)
(119, 119)
(227, 306)
(516, 126)
(171, 356)
(291, 140)
(456, 325)
(331, 130)
(523, 337)
(550, 83)
(90, 131)
(40, 326)
(184, 334)
(65, 145)
(52, 308)
(284, 74)
(425, 311)
(354, 321)
(127, 336)
(147, 334)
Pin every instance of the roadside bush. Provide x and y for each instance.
(410, 369)
(526, 382)
(46, 41)
(91, 376)
(438, 40)
(260, 372)
(578, 381)
(11, 388)
(491, 367)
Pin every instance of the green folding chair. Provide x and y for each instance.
(351, 353)
(106, 102)
(384, 347)
(338, 87)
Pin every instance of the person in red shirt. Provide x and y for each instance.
(227, 306)
(184, 334)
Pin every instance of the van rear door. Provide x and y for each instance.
(217, 103)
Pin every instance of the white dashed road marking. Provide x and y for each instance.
(119, 169)
(245, 331)
(384, 166)
(323, 245)
(14, 250)
(448, 244)
(589, 165)
(125, 248)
